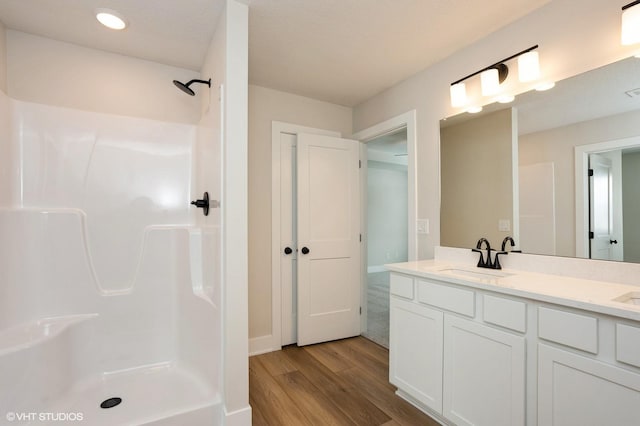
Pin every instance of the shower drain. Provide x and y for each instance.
(111, 402)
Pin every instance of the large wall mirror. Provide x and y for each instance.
(557, 170)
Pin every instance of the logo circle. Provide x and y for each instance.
(11, 416)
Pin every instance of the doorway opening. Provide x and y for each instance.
(387, 225)
(606, 200)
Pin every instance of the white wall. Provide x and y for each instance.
(387, 240)
(557, 146)
(631, 205)
(234, 214)
(572, 40)
(265, 106)
(55, 73)
(6, 156)
(477, 179)
(3, 58)
(5, 135)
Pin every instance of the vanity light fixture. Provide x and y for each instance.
(458, 95)
(528, 67)
(631, 23)
(492, 76)
(491, 79)
(111, 19)
(547, 85)
(505, 99)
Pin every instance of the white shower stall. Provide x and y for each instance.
(113, 307)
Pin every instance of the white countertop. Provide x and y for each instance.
(595, 296)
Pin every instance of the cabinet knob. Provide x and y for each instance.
(305, 250)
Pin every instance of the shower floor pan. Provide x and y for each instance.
(163, 394)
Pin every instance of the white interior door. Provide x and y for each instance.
(601, 207)
(328, 202)
(288, 240)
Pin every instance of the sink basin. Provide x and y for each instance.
(631, 298)
(488, 275)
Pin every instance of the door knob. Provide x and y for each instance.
(203, 204)
(613, 241)
(287, 250)
(305, 250)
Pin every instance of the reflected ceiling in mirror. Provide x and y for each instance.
(595, 111)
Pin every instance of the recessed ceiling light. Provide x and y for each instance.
(474, 109)
(111, 19)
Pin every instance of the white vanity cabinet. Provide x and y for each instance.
(578, 390)
(415, 356)
(584, 378)
(484, 374)
(478, 354)
(461, 369)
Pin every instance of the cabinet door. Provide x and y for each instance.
(484, 375)
(415, 355)
(575, 390)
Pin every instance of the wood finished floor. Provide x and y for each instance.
(345, 382)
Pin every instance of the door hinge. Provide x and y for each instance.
(591, 236)
(359, 164)
(590, 172)
(360, 237)
(360, 310)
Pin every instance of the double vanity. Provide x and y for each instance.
(474, 346)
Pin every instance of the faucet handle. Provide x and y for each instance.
(496, 263)
(481, 262)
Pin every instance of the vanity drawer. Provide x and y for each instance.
(446, 297)
(567, 328)
(506, 313)
(401, 285)
(628, 344)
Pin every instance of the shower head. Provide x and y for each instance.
(185, 87)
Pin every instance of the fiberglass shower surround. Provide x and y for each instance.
(104, 295)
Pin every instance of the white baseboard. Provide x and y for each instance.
(240, 417)
(374, 269)
(262, 345)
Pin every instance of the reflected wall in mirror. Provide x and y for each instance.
(584, 119)
(477, 179)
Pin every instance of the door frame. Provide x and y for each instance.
(274, 341)
(408, 121)
(582, 185)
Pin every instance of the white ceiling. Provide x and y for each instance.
(340, 51)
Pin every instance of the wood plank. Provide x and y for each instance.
(363, 360)
(275, 406)
(349, 400)
(319, 409)
(326, 354)
(334, 383)
(257, 418)
(384, 398)
(276, 364)
(371, 348)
